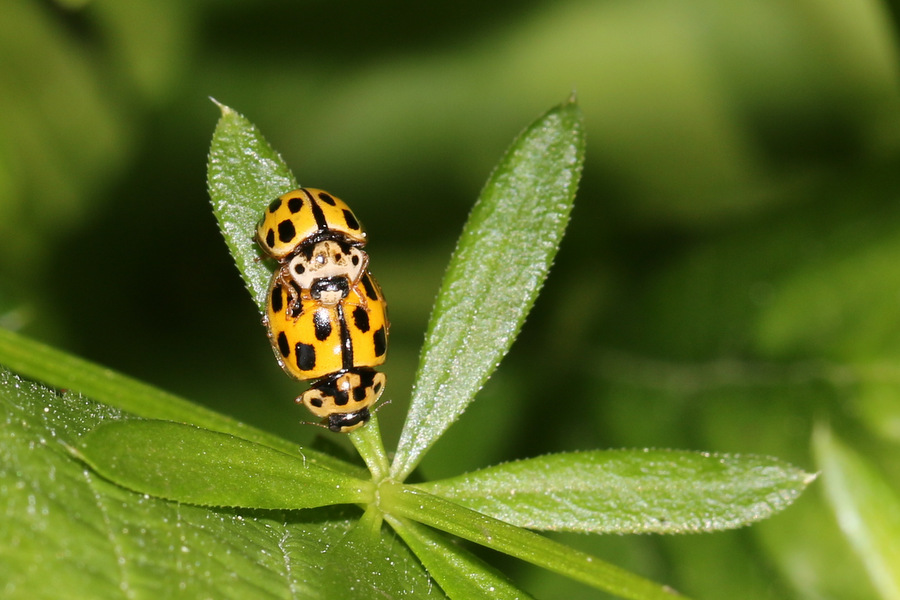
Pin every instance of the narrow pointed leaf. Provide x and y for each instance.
(867, 510)
(244, 174)
(460, 573)
(499, 265)
(629, 491)
(416, 505)
(197, 466)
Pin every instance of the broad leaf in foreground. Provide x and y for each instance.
(199, 466)
(64, 527)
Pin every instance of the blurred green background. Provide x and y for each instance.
(730, 277)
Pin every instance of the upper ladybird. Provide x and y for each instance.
(305, 216)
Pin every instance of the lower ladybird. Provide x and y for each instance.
(336, 344)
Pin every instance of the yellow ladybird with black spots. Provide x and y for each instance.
(337, 344)
(311, 340)
(306, 216)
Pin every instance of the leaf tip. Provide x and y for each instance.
(222, 107)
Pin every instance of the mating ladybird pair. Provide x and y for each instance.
(325, 314)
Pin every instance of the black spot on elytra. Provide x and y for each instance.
(283, 345)
(295, 204)
(277, 299)
(369, 287)
(286, 231)
(322, 324)
(350, 219)
(379, 339)
(327, 199)
(274, 204)
(270, 237)
(306, 356)
(361, 319)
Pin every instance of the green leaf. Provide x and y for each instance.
(460, 573)
(866, 507)
(361, 553)
(499, 265)
(406, 501)
(198, 466)
(243, 175)
(629, 491)
(65, 371)
(65, 528)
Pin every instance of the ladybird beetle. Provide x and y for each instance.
(337, 344)
(311, 340)
(306, 216)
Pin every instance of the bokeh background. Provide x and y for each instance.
(730, 277)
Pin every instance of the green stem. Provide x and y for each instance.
(367, 441)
